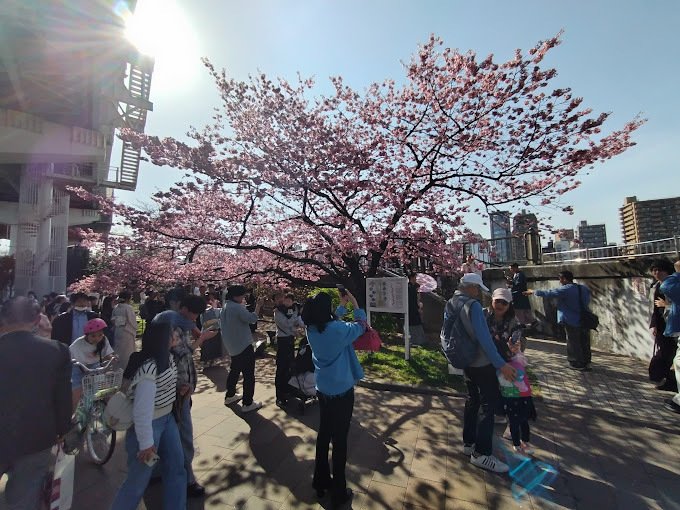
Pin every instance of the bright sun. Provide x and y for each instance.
(159, 28)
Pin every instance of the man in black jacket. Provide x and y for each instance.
(69, 325)
(35, 377)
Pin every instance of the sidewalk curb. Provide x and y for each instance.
(407, 388)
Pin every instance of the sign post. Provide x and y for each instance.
(389, 295)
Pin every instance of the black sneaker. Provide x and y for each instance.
(672, 406)
(339, 501)
(578, 367)
(194, 490)
(667, 385)
(280, 402)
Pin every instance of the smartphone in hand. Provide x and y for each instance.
(151, 462)
(341, 288)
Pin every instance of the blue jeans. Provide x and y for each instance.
(186, 434)
(25, 478)
(169, 448)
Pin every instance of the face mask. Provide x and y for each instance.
(81, 308)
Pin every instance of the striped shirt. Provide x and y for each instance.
(166, 382)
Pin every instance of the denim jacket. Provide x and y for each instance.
(670, 287)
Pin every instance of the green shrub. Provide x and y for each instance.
(385, 322)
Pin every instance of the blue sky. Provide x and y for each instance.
(620, 55)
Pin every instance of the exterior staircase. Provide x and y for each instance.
(133, 117)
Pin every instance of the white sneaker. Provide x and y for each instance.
(519, 450)
(468, 449)
(233, 399)
(252, 407)
(490, 463)
(528, 449)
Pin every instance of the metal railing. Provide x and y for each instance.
(668, 246)
(503, 251)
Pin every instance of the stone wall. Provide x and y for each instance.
(619, 296)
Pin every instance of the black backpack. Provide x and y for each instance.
(588, 319)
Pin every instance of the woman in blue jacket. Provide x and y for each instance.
(337, 370)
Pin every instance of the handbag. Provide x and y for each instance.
(588, 319)
(369, 340)
(118, 411)
(58, 493)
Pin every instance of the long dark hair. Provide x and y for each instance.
(155, 345)
(318, 311)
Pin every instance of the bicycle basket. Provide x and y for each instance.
(94, 383)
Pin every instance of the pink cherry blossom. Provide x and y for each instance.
(286, 187)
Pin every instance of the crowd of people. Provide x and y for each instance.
(161, 376)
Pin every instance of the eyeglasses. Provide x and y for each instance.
(501, 302)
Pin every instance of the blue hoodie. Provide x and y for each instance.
(337, 368)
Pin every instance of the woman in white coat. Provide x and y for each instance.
(125, 328)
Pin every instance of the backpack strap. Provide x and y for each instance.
(465, 318)
(582, 306)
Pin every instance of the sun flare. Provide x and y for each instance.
(159, 28)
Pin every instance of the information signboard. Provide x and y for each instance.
(389, 295)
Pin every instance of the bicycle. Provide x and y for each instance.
(91, 429)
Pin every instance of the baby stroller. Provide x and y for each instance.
(302, 383)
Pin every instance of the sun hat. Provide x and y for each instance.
(474, 279)
(503, 294)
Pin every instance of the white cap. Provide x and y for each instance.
(503, 294)
(474, 279)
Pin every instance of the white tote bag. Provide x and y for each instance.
(62, 481)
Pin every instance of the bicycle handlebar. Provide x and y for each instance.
(87, 370)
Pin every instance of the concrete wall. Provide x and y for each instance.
(619, 296)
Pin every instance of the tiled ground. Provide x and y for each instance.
(610, 452)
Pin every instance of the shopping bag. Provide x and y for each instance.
(369, 341)
(61, 488)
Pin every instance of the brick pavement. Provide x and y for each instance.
(404, 449)
(617, 384)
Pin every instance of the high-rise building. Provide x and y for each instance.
(521, 224)
(648, 220)
(565, 234)
(591, 236)
(68, 79)
(500, 234)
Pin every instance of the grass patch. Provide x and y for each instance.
(427, 367)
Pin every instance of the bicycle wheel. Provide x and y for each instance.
(100, 439)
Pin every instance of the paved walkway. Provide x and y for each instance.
(617, 384)
(617, 451)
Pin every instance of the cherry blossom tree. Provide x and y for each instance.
(285, 186)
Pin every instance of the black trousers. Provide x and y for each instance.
(285, 354)
(578, 345)
(662, 361)
(519, 410)
(335, 416)
(243, 363)
(483, 392)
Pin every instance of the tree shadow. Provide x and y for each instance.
(282, 462)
